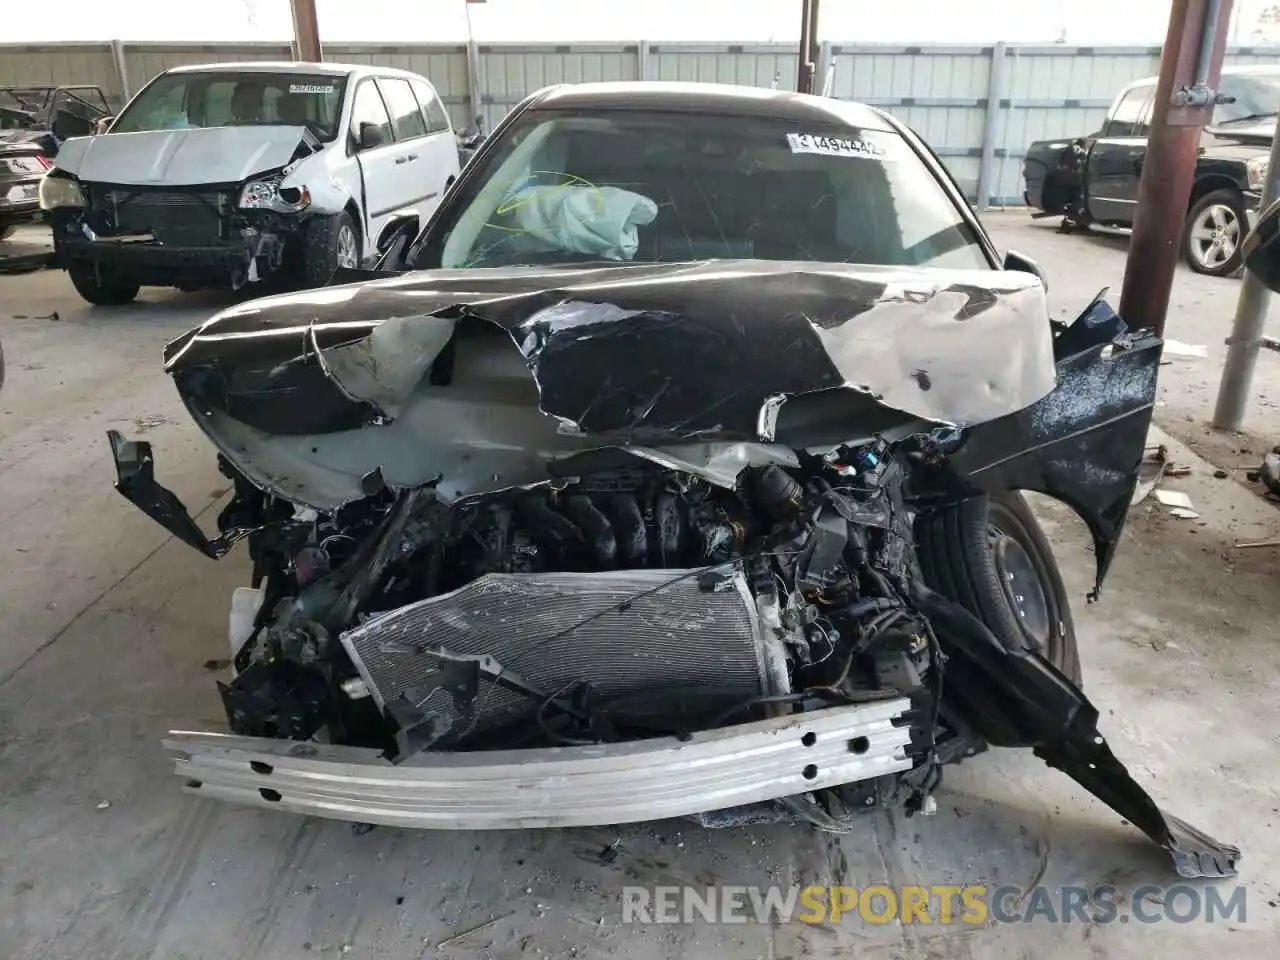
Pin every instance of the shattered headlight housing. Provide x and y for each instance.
(1256, 172)
(269, 195)
(60, 191)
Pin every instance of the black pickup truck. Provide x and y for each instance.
(1094, 179)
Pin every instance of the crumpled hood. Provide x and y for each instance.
(180, 157)
(707, 350)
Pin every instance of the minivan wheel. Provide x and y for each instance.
(1214, 234)
(990, 555)
(101, 291)
(330, 243)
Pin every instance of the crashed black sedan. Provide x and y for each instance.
(676, 472)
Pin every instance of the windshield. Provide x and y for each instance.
(635, 186)
(180, 101)
(1256, 98)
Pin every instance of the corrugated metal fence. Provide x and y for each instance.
(978, 106)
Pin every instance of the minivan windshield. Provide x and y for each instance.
(180, 101)
(648, 186)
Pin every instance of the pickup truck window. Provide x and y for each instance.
(1128, 119)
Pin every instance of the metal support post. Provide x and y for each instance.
(1184, 98)
(122, 70)
(995, 93)
(1247, 328)
(306, 31)
(808, 59)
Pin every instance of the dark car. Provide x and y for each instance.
(34, 120)
(1094, 179)
(50, 114)
(678, 476)
(22, 165)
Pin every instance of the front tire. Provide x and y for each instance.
(100, 290)
(330, 243)
(1213, 236)
(989, 555)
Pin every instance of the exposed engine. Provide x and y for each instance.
(590, 610)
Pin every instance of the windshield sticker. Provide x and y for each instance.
(833, 146)
(312, 88)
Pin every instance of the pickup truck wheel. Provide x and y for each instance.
(989, 555)
(104, 291)
(1214, 232)
(331, 242)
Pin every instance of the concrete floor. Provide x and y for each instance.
(105, 626)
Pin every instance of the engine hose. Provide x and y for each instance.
(547, 527)
(599, 533)
(629, 529)
(670, 529)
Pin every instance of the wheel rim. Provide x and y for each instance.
(1022, 587)
(1215, 236)
(347, 256)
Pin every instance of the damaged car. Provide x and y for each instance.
(676, 471)
(231, 174)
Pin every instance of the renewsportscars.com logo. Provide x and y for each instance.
(969, 904)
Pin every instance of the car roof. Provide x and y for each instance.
(1249, 70)
(718, 98)
(292, 66)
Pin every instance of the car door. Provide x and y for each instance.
(1115, 160)
(442, 143)
(418, 176)
(380, 169)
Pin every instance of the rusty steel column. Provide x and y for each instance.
(1189, 69)
(808, 59)
(306, 31)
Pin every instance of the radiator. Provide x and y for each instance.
(659, 645)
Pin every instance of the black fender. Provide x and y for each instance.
(1083, 443)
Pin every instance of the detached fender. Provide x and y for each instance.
(1081, 444)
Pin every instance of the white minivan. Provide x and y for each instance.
(227, 174)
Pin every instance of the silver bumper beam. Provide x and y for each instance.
(557, 787)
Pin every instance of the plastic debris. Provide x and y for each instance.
(1174, 498)
(1176, 348)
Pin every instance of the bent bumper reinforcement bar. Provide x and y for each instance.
(556, 787)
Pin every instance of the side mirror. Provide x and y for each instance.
(1261, 248)
(371, 136)
(1023, 264)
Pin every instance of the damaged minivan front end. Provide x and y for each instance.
(730, 540)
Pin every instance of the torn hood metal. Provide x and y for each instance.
(638, 353)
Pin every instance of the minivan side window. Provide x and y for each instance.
(406, 115)
(369, 108)
(437, 119)
(1128, 119)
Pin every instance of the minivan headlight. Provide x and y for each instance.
(59, 191)
(269, 195)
